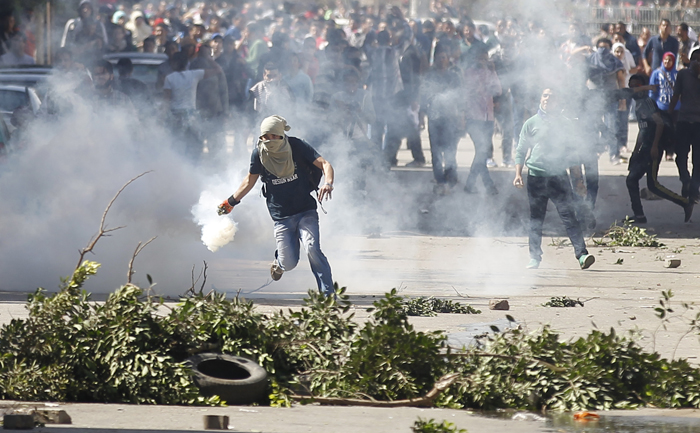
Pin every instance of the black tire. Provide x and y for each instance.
(235, 379)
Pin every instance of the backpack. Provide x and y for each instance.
(314, 174)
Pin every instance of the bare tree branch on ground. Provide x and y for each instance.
(103, 231)
(426, 401)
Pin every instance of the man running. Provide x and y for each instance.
(285, 164)
(652, 140)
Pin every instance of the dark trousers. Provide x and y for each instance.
(639, 166)
(623, 125)
(503, 111)
(397, 130)
(443, 148)
(185, 127)
(687, 138)
(241, 124)
(541, 189)
(212, 131)
(589, 158)
(379, 127)
(611, 120)
(481, 132)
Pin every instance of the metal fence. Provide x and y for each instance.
(637, 17)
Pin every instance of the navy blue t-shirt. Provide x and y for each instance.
(291, 195)
(656, 48)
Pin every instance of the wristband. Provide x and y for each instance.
(329, 184)
(232, 201)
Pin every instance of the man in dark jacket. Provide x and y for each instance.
(135, 89)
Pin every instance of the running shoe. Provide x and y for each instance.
(586, 261)
(275, 271)
(533, 264)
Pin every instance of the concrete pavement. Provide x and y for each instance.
(92, 418)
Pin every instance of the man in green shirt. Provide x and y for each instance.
(544, 135)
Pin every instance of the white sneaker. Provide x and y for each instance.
(490, 163)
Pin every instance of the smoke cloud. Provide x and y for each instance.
(54, 192)
(216, 231)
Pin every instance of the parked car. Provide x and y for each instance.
(13, 97)
(27, 76)
(145, 65)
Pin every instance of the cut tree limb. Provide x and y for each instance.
(426, 401)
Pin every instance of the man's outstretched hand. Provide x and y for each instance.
(226, 207)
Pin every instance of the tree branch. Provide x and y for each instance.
(191, 291)
(103, 231)
(139, 248)
(204, 277)
(426, 401)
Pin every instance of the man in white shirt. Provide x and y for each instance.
(16, 56)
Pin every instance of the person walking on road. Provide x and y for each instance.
(288, 166)
(653, 138)
(687, 90)
(547, 179)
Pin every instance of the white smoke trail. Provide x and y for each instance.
(217, 231)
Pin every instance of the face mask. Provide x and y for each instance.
(603, 50)
(273, 145)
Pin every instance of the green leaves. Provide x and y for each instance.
(432, 426)
(429, 307)
(562, 301)
(127, 350)
(628, 235)
(600, 371)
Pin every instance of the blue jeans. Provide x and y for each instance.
(303, 227)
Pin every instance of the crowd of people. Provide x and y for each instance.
(370, 77)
